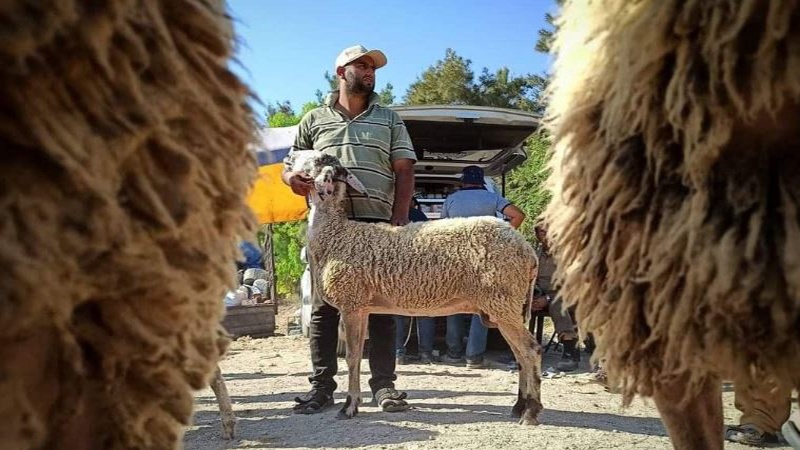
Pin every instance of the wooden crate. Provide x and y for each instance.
(254, 320)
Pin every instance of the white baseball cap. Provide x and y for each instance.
(351, 54)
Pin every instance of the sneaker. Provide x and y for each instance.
(401, 360)
(750, 435)
(314, 402)
(427, 358)
(477, 363)
(568, 363)
(449, 359)
(390, 400)
(571, 358)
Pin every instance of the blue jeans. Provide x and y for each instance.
(426, 329)
(476, 342)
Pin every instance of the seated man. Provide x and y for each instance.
(565, 327)
(765, 406)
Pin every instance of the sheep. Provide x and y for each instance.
(676, 182)
(477, 265)
(125, 168)
(224, 402)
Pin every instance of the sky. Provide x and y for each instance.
(286, 46)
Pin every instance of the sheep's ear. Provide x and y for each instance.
(355, 183)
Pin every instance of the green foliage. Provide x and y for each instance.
(448, 82)
(282, 119)
(287, 240)
(545, 42)
(387, 95)
(504, 91)
(525, 185)
(451, 81)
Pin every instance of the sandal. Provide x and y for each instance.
(314, 402)
(748, 434)
(791, 430)
(390, 400)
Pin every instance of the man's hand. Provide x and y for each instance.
(398, 219)
(539, 303)
(300, 183)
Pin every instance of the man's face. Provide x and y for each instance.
(359, 76)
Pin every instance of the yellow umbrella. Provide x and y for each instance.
(271, 200)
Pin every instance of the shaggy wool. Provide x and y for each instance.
(123, 174)
(676, 185)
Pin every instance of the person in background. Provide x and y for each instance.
(564, 325)
(426, 326)
(473, 199)
(765, 405)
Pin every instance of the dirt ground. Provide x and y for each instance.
(453, 407)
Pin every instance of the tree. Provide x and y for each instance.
(386, 94)
(503, 91)
(284, 107)
(525, 185)
(448, 82)
(546, 35)
(451, 81)
(287, 240)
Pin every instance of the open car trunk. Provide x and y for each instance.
(448, 138)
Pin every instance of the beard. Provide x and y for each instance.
(356, 85)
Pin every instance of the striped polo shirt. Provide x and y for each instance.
(366, 145)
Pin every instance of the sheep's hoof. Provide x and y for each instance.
(349, 410)
(529, 417)
(519, 407)
(228, 430)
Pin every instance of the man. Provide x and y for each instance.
(565, 327)
(765, 406)
(473, 199)
(373, 143)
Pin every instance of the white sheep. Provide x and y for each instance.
(477, 265)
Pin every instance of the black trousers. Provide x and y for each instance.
(323, 336)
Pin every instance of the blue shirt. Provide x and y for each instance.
(252, 256)
(471, 202)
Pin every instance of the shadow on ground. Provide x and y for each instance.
(373, 427)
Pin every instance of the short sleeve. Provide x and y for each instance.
(401, 146)
(502, 203)
(302, 141)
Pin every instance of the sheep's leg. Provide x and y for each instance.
(355, 328)
(225, 408)
(697, 424)
(528, 353)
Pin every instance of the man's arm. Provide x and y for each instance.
(515, 215)
(403, 159)
(403, 190)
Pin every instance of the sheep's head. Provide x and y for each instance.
(327, 172)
